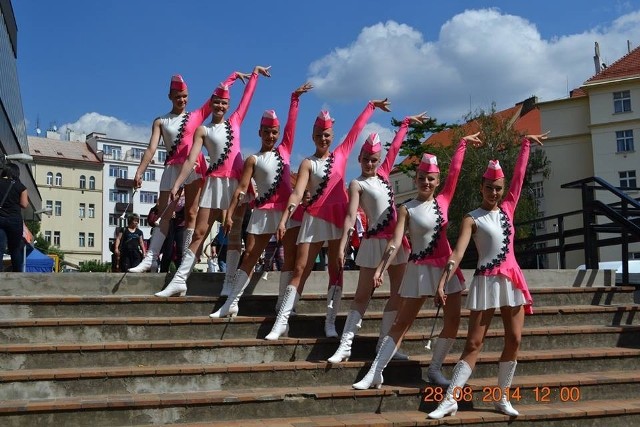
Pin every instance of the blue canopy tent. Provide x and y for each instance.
(37, 262)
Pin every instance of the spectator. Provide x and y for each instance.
(13, 198)
(129, 246)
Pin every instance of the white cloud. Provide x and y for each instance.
(481, 56)
(111, 126)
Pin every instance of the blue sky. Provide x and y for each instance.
(105, 66)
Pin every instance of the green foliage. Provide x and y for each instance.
(95, 266)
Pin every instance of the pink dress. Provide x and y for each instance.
(378, 203)
(272, 176)
(324, 216)
(498, 280)
(430, 249)
(222, 141)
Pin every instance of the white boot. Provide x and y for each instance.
(449, 405)
(334, 296)
(188, 236)
(157, 239)
(178, 284)
(440, 351)
(230, 306)
(505, 376)
(281, 326)
(351, 325)
(374, 376)
(233, 257)
(388, 317)
(285, 278)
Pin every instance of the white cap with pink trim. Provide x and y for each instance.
(269, 119)
(177, 83)
(324, 120)
(372, 144)
(494, 171)
(429, 164)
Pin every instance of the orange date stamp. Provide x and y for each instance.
(494, 394)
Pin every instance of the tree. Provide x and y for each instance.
(501, 141)
(95, 266)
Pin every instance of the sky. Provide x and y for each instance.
(106, 66)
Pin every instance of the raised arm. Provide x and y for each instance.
(249, 89)
(455, 167)
(290, 127)
(154, 140)
(392, 153)
(519, 171)
(344, 149)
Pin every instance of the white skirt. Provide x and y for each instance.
(170, 174)
(314, 229)
(372, 250)
(493, 292)
(217, 192)
(421, 280)
(265, 221)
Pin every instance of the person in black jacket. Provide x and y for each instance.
(13, 198)
(129, 244)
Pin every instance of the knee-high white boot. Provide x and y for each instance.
(233, 257)
(374, 376)
(334, 296)
(281, 326)
(505, 376)
(449, 405)
(230, 306)
(178, 284)
(351, 325)
(285, 278)
(157, 239)
(388, 317)
(440, 351)
(188, 236)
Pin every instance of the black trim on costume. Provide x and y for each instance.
(274, 185)
(178, 139)
(390, 210)
(325, 180)
(225, 151)
(502, 256)
(434, 239)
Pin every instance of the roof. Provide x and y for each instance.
(627, 66)
(58, 149)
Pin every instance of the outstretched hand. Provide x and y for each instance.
(382, 104)
(262, 70)
(473, 138)
(538, 138)
(419, 118)
(303, 89)
(243, 76)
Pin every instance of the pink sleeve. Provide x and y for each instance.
(290, 128)
(517, 180)
(454, 171)
(197, 117)
(390, 158)
(341, 153)
(247, 95)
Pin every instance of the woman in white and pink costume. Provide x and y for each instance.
(425, 220)
(372, 192)
(176, 129)
(498, 281)
(323, 175)
(270, 170)
(221, 138)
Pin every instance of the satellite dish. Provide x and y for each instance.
(38, 131)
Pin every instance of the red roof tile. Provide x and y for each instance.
(627, 66)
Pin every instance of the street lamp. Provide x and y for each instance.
(47, 211)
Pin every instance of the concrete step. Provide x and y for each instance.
(318, 400)
(36, 306)
(179, 375)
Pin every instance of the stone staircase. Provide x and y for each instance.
(97, 350)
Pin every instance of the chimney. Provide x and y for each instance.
(596, 58)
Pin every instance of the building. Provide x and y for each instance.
(592, 134)
(69, 177)
(13, 133)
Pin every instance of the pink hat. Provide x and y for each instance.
(222, 91)
(372, 144)
(494, 171)
(177, 83)
(324, 120)
(269, 119)
(429, 164)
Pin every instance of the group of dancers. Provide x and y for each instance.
(318, 210)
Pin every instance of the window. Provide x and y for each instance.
(47, 237)
(91, 240)
(81, 210)
(148, 197)
(49, 178)
(396, 186)
(58, 208)
(92, 211)
(627, 179)
(81, 238)
(112, 151)
(58, 179)
(92, 183)
(137, 153)
(624, 140)
(119, 196)
(149, 175)
(621, 101)
(118, 171)
(144, 221)
(162, 156)
(50, 205)
(116, 220)
(537, 190)
(56, 238)
(83, 181)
